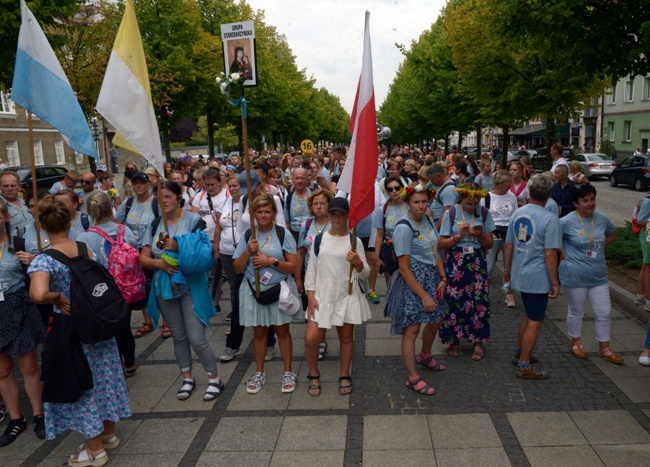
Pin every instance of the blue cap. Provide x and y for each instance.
(255, 180)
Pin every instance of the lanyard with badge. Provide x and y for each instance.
(266, 277)
(590, 252)
(467, 250)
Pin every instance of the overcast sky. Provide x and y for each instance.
(327, 37)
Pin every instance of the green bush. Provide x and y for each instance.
(606, 147)
(626, 249)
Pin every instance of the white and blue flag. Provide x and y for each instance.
(41, 87)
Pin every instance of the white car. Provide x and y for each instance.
(595, 164)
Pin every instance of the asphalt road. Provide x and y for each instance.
(618, 203)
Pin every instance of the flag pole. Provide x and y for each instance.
(247, 164)
(160, 201)
(34, 183)
(353, 242)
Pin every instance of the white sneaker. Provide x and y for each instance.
(228, 354)
(639, 299)
(270, 353)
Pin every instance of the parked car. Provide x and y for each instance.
(516, 155)
(46, 175)
(538, 162)
(595, 164)
(635, 171)
(567, 153)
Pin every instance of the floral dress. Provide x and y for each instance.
(108, 400)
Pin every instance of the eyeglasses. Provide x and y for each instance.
(390, 189)
(86, 182)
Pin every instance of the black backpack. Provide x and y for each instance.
(97, 307)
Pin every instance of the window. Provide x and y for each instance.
(60, 153)
(610, 130)
(612, 95)
(629, 91)
(646, 89)
(6, 105)
(78, 158)
(12, 153)
(627, 129)
(38, 153)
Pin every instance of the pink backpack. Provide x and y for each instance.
(124, 265)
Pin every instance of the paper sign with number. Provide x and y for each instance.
(307, 146)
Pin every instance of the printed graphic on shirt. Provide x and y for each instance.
(524, 229)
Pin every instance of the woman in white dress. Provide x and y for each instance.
(329, 303)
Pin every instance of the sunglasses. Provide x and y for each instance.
(390, 189)
(86, 182)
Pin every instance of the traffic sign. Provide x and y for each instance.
(307, 146)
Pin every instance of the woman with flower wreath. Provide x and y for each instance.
(384, 220)
(415, 290)
(466, 234)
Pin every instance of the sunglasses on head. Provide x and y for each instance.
(390, 189)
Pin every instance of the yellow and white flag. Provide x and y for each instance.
(125, 97)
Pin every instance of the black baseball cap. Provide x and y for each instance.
(140, 176)
(339, 204)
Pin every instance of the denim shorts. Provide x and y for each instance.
(535, 305)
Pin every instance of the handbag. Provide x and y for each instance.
(267, 296)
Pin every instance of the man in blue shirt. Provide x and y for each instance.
(532, 241)
(562, 190)
(446, 195)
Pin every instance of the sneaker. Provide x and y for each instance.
(531, 372)
(3, 412)
(228, 354)
(14, 428)
(510, 300)
(373, 297)
(270, 353)
(39, 426)
(639, 299)
(288, 382)
(228, 317)
(515, 358)
(255, 383)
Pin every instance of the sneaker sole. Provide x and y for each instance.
(229, 358)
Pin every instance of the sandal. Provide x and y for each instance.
(314, 389)
(186, 389)
(144, 330)
(322, 350)
(108, 442)
(610, 356)
(429, 362)
(345, 389)
(213, 390)
(478, 353)
(424, 388)
(578, 350)
(453, 350)
(166, 333)
(87, 457)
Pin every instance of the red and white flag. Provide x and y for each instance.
(360, 171)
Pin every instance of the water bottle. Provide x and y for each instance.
(505, 287)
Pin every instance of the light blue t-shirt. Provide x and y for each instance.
(12, 276)
(420, 241)
(486, 181)
(298, 213)
(388, 222)
(31, 242)
(325, 173)
(552, 207)
(475, 219)
(139, 217)
(381, 173)
(19, 216)
(364, 227)
(99, 246)
(185, 225)
(269, 246)
(58, 186)
(445, 198)
(585, 264)
(306, 237)
(531, 231)
(644, 210)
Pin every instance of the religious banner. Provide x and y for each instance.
(239, 51)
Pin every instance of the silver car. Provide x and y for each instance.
(595, 164)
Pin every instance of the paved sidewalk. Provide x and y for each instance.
(588, 412)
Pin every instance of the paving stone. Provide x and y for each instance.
(245, 434)
(545, 429)
(631, 368)
(169, 459)
(25, 444)
(561, 456)
(627, 455)
(235, 459)
(152, 436)
(322, 433)
(410, 458)
(635, 388)
(610, 427)
(154, 375)
(319, 458)
(145, 398)
(448, 431)
(328, 400)
(399, 432)
(628, 328)
(488, 457)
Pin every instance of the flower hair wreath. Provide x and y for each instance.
(409, 190)
(471, 193)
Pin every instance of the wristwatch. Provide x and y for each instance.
(276, 263)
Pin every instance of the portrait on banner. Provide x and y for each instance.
(239, 51)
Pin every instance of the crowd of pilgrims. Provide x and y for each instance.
(438, 225)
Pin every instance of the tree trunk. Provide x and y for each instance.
(210, 125)
(166, 143)
(504, 149)
(479, 137)
(549, 137)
